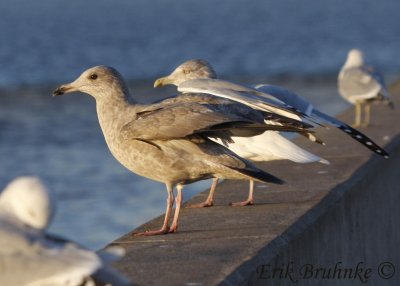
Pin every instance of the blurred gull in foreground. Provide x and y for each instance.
(31, 257)
(169, 141)
(267, 146)
(361, 85)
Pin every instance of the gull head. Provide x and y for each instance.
(192, 69)
(28, 200)
(97, 81)
(355, 58)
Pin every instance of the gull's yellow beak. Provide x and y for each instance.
(159, 82)
(65, 88)
(162, 81)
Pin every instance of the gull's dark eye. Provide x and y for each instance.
(185, 71)
(93, 76)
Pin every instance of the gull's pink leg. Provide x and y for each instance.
(209, 202)
(249, 200)
(178, 203)
(164, 229)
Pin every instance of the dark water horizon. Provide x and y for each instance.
(54, 41)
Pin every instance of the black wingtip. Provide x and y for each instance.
(363, 139)
(262, 176)
(354, 133)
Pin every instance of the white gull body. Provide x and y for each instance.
(360, 85)
(31, 257)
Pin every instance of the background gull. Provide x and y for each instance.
(30, 256)
(192, 76)
(267, 146)
(360, 85)
(168, 141)
(186, 81)
(262, 92)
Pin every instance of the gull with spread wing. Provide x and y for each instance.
(199, 76)
(251, 96)
(267, 146)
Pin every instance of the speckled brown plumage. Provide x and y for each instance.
(165, 141)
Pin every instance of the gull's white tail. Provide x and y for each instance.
(270, 146)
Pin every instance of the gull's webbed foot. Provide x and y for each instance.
(152, 232)
(205, 204)
(242, 204)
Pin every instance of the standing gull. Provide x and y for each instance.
(168, 141)
(199, 76)
(261, 93)
(31, 257)
(267, 146)
(361, 85)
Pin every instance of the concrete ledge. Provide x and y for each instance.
(346, 212)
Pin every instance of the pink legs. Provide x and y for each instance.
(164, 229)
(210, 199)
(249, 200)
(170, 202)
(178, 204)
(209, 202)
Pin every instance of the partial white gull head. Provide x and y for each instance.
(31, 256)
(355, 58)
(28, 200)
(192, 69)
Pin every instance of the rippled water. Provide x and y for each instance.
(47, 42)
(53, 40)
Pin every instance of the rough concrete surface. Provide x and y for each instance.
(345, 212)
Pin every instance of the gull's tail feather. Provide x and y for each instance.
(385, 97)
(355, 134)
(269, 146)
(283, 148)
(389, 102)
